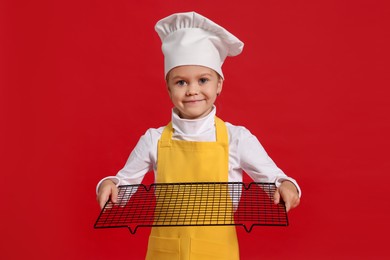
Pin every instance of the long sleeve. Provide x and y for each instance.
(248, 155)
(140, 161)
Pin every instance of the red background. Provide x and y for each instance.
(81, 81)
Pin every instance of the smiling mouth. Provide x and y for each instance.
(193, 101)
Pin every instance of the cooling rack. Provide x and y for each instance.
(193, 204)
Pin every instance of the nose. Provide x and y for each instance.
(192, 89)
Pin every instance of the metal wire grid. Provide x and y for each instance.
(193, 204)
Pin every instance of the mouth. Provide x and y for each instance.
(192, 101)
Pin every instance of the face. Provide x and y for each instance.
(193, 90)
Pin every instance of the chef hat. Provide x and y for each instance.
(192, 39)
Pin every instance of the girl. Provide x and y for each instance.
(209, 149)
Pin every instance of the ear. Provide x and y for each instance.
(219, 86)
(169, 90)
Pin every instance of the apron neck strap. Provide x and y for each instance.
(221, 131)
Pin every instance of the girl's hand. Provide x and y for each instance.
(106, 190)
(288, 193)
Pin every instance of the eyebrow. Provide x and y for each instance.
(183, 77)
(176, 77)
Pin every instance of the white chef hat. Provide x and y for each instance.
(192, 39)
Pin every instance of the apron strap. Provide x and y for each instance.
(221, 131)
(166, 136)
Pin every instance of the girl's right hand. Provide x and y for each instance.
(106, 191)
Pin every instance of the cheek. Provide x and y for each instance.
(174, 95)
(212, 93)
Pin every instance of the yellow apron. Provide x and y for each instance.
(184, 161)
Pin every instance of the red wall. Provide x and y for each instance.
(82, 80)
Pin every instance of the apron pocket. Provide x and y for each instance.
(209, 250)
(163, 248)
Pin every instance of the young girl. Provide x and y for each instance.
(197, 146)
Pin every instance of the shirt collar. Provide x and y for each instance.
(193, 127)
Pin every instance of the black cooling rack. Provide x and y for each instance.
(193, 204)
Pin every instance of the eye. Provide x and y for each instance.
(181, 83)
(203, 81)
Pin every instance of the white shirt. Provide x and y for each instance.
(245, 152)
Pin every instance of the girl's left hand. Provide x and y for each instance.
(288, 193)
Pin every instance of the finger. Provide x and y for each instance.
(287, 205)
(114, 195)
(102, 201)
(276, 196)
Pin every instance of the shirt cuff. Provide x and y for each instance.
(282, 179)
(114, 179)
